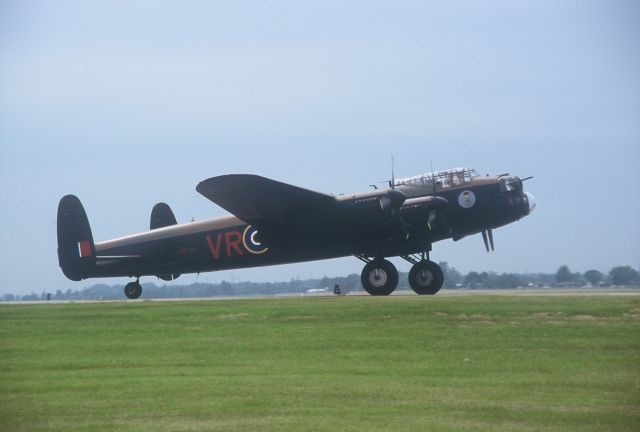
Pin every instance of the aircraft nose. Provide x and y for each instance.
(532, 202)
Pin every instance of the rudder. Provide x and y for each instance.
(76, 250)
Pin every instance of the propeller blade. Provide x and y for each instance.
(490, 232)
(431, 218)
(486, 242)
(385, 203)
(403, 227)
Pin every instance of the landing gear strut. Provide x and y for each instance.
(133, 290)
(379, 277)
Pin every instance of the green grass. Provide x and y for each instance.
(403, 363)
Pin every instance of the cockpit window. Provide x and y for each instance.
(443, 179)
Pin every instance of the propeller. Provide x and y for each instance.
(392, 199)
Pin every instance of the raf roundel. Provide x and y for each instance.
(251, 243)
(467, 199)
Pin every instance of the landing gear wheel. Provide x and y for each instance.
(426, 277)
(379, 277)
(133, 290)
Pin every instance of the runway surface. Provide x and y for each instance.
(443, 293)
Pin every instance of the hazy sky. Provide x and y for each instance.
(127, 103)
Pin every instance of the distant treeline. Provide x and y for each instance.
(562, 278)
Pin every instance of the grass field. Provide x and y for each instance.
(406, 363)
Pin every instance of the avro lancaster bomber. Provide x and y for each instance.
(277, 223)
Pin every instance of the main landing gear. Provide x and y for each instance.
(133, 290)
(426, 277)
(380, 277)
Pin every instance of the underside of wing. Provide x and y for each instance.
(265, 202)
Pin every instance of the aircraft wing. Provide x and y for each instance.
(264, 202)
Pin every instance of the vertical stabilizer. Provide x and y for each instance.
(76, 250)
(161, 216)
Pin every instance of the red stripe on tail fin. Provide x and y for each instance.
(84, 248)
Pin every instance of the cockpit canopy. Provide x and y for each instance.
(442, 179)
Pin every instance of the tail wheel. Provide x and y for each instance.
(379, 277)
(426, 277)
(133, 290)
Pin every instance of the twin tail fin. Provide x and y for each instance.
(76, 250)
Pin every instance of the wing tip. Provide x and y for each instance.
(226, 176)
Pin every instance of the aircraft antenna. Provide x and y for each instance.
(433, 178)
(393, 177)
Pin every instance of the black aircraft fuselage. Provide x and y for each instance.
(277, 223)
